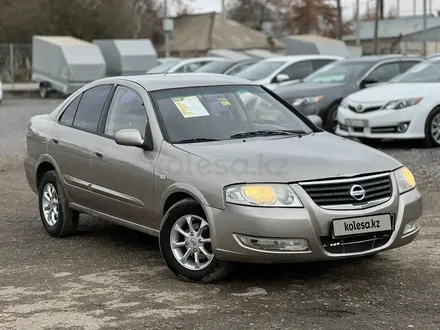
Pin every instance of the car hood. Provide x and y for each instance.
(394, 91)
(303, 89)
(291, 159)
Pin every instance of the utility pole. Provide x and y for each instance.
(376, 27)
(414, 8)
(339, 23)
(167, 35)
(223, 9)
(398, 8)
(425, 50)
(358, 20)
(381, 9)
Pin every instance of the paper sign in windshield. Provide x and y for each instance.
(190, 107)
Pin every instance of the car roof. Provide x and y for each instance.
(379, 58)
(155, 82)
(198, 59)
(295, 58)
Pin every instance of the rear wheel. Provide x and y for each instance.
(44, 90)
(185, 244)
(58, 218)
(432, 129)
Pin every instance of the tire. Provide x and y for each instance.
(374, 143)
(44, 91)
(329, 119)
(214, 270)
(66, 222)
(434, 117)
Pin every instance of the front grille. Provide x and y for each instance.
(355, 244)
(337, 192)
(352, 108)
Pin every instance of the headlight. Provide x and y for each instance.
(307, 100)
(405, 179)
(344, 103)
(401, 104)
(268, 195)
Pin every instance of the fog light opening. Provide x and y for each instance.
(402, 127)
(274, 244)
(411, 226)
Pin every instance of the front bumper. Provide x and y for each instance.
(382, 124)
(311, 223)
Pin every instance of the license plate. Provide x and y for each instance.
(356, 122)
(362, 225)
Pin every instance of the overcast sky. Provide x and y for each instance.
(406, 6)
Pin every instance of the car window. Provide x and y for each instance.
(385, 72)
(126, 111)
(298, 70)
(219, 112)
(318, 64)
(69, 112)
(339, 72)
(423, 72)
(261, 70)
(239, 68)
(405, 65)
(90, 107)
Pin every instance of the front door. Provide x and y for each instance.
(122, 177)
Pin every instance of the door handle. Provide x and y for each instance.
(98, 153)
(54, 141)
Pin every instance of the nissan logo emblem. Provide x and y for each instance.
(357, 192)
(359, 108)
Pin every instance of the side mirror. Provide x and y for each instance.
(368, 81)
(129, 137)
(316, 120)
(282, 77)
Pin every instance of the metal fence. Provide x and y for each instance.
(15, 63)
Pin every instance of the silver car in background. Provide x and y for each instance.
(184, 158)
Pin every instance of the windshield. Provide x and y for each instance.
(164, 67)
(223, 113)
(424, 72)
(339, 72)
(215, 67)
(260, 70)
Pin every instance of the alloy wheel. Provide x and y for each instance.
(435, 128)
(50, 205)
(190, 241)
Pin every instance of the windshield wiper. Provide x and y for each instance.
(266, 133)
(195, 140)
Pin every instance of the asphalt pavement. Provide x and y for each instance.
(109, 277)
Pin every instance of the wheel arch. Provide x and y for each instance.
(44, 164)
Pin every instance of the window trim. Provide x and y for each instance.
(105, 113)
(61, 114)
(96, 132)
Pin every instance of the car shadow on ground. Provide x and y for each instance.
(114, 236)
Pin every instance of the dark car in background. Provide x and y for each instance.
(321, 92)
(229, 67)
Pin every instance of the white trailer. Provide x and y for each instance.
(64, 64)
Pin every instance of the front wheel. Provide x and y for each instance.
(331, 121)
(432, 129)
(185, 244)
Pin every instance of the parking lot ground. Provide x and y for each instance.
(109, 277)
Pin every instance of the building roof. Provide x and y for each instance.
(393, 28)
(202, 32)
(155, 82)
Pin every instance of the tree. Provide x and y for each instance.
(251, 12)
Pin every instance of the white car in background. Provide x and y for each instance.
(183, 65)
(285, 69)
(407, 107)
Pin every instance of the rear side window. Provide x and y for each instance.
(90, 107)
(298, 70)
(69, 112)
(318, 64)
(405, 65)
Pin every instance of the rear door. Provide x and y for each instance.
(70, 141)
